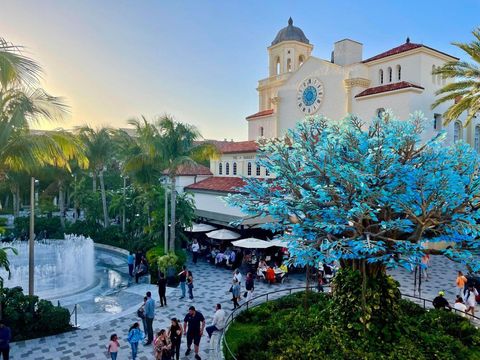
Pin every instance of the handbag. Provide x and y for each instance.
(141, 313)
(245, 294)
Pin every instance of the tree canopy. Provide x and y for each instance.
(342, 190)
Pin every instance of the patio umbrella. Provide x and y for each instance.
(252, 243)
(200, 228)
(223, 234)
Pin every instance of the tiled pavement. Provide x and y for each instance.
(211, 286)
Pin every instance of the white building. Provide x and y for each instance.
(300, 85)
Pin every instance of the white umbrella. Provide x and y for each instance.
(223, 234)
(200, 228)
(252, 243)
(279, 243)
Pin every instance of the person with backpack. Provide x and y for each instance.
(141, 314)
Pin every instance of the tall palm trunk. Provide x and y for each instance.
(104, 199)
(61, 202)
(94, 182)
(173, 202)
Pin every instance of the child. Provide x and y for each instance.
(113, 346)
(135, 335)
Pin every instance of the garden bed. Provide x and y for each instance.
(303, 326)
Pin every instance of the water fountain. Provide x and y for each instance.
(62, 267)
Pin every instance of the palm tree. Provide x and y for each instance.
(179, 145)
(466, 90)
(21, 103)
(98, 144)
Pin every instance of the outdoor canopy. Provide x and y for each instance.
(200, 228)
(252, 243)
(223, 234)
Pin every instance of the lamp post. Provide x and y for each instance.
(31, 240)
(164, 182)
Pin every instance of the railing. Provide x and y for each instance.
(73, 313)
(268, 296)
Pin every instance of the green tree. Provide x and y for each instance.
(465, 89)
(98, 144)
(180, 145)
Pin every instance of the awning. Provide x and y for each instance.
(252, 243)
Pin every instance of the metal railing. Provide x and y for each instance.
(73, 313)
(425, 303)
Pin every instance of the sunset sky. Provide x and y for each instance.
(200, 60)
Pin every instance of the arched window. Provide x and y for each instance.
(399, 72)
(433, 76)
(220, 169)
(249, 169)
(277, 66)
(234, 168)
(437, 121)
(227, 169)
(258, 170)
(380, 76)
(457, 131)
(267, 173)
(477, 139)
(301, 60)
(261, 131)
(289, 65)
(390, 74)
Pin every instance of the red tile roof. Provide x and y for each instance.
(403, 48)
(388, 87)
(260, 114)
(218, 183)
(237, 147)
(191, 170)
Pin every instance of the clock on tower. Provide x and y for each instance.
(310, 95)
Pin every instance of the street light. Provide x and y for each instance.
(31, 241)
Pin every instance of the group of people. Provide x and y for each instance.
(137, 265)
(466, 298)
(236, 288)
(166, 342)
(271, 274)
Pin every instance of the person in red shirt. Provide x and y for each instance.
(270, 275)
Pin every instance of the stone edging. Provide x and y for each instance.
(111, 248)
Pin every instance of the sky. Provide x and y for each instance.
(200, 61)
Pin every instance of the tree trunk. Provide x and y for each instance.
(61, 202)
(366, 299)
(94, 182)
(124, 198)
(173, 220)
(104, 199)
(7, 201)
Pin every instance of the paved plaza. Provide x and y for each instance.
(211, 286)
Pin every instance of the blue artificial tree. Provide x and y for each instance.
(367, 197)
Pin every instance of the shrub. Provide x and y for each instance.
(30, 317)
(155, 253)
(50, 225)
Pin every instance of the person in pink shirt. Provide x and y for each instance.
(113, 346)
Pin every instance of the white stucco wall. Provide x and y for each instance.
(214, 203)
(269, 127)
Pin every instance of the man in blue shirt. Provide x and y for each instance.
(130, 262)
(149, 315)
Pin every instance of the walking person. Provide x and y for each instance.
(131, 263)
(190, 285)
(235, 293)
(113, 346)
(461, 282)
(195, 250)
(219, 319)
(175, 334)
(249, 286)
(135, 335)
(149, 315)
(162, 289)
(238, 276)
(470, 299)
(162, 346)
(5, 338)
(182, 278)
(425, 264)
(193, 326)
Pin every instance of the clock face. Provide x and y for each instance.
(310, 95)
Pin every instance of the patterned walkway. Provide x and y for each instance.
(211, 286)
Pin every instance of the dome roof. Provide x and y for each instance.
(290, 33)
